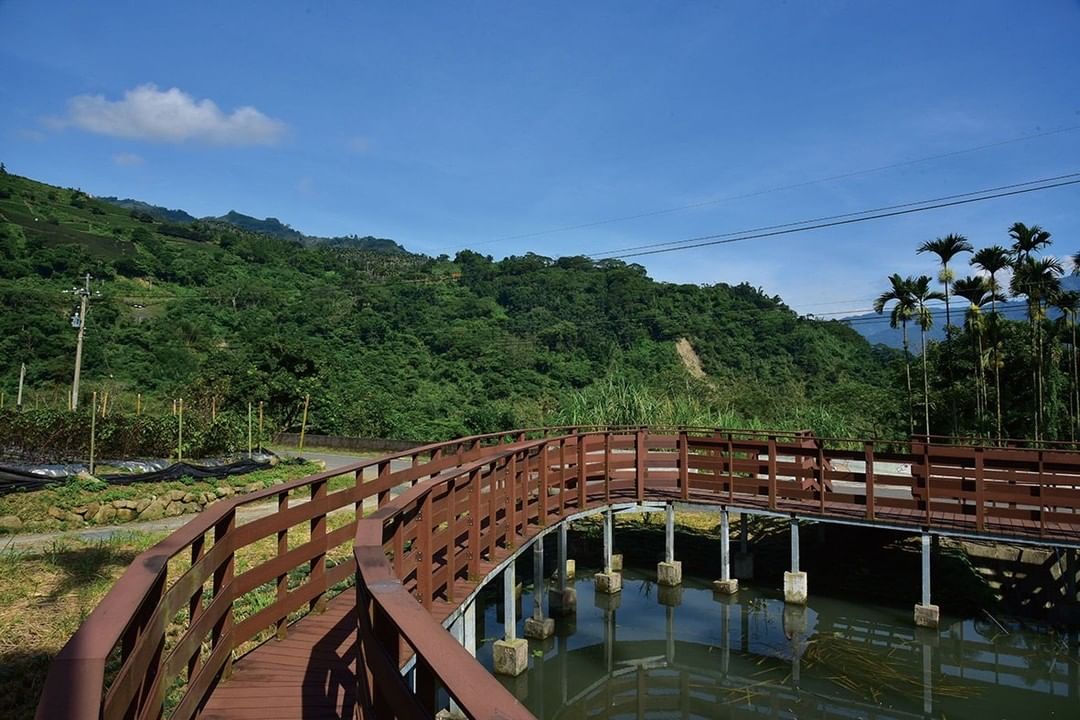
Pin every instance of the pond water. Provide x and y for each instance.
(652, 652)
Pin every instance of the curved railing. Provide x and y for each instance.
(168, 631)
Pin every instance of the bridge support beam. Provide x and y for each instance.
(563, 601)
(468, 627)
(669, 572)
(795, 584)
(743, 565)
(539, 627)
(511, 653)
(926, 615)
(609, 581)
(726, 584)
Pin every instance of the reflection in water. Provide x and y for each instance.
(652, 652)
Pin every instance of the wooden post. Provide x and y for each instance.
(138, 404)
(303, 423)
(868, 454)
(684, 473)
(260, 425)
(249, 431)
(93, 431)
(213, 411)
(22, 380)
(1, 399)
(180, 431)
(772, 472)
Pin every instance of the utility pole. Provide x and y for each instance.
(79, 321)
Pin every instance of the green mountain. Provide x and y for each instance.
(397, 344)
(155, 211)
(269, 226)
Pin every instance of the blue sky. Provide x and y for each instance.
(451, 125)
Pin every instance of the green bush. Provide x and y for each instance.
(61, 436)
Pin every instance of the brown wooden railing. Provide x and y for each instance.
(169, 630)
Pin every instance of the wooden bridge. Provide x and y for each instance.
(313, 611)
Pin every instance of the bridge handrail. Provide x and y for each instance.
(126, 633)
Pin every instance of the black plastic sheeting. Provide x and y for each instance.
(15, 478)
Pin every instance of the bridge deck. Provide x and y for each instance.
(311, 673)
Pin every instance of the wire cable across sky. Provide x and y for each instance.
(777, 188)
(909, 208)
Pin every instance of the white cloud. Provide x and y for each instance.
(147, 113)
(126, 159)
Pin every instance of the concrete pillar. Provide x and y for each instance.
(609, 539)
(511, 653)
(669, 572)
(609, 581)
(926, 615)
(795, 584)
(743, 566)
(468, 627)
(538, 626)
(1070, 575)
(726, 584)
(563, 601)
(457, 629)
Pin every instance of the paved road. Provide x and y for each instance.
(246, 513)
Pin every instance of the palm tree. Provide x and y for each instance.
(899, 293)
(922, 294)
(993, 260)
(946, 248)
(979, 292)
(1038, 280)
(1027, 240)
(1067, 302)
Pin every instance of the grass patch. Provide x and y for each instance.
(33, 507)
(46, 594)
(44, 597)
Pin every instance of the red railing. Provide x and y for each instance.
(169, 630)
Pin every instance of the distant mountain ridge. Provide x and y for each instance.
(269, 226)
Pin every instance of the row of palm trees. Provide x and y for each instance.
(1035, 278)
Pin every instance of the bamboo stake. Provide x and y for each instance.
(213, 408)
(22, 379)
(303, 423)
(180, 433)
(138, 404)
(260, 425)
(93, 430)
(1, 399)
(249, 431)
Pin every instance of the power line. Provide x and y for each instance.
(765, 191)
(923, 206)
(825, 218)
